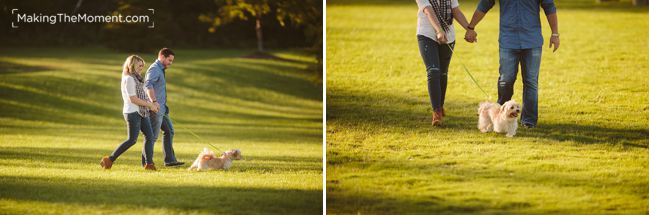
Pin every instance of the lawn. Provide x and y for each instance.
(60, 112)
(588, 155)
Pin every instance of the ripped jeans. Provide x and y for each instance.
(436, 57)
(530, 62)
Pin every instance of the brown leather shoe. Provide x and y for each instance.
(437, 118)
(106, 163)
(150, 167)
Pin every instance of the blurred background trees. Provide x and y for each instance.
(249, 24)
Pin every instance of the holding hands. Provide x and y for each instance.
(471, 36)
(154, 106)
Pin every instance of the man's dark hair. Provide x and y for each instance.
(166, 52)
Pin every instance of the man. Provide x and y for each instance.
(520, 43)
(157, 91)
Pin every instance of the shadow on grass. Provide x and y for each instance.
(269, 56)
(178, 198)
(379, 204)
(590, 134)
(56, 99)
(64, 156)
(252, 74)
(426, 204)
(385, 111)
(13, 68)
(208, 131)
(34, 105)
(376, 203)
(395, 112)
(456, 198)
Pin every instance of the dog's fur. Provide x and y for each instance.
(501, 119)
(206, 160)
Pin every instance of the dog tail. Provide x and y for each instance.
(484, 106)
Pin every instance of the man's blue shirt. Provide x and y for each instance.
(155, 78)
(520, 23)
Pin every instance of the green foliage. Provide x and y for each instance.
(588, 154)
(177, 24)
(298, 12)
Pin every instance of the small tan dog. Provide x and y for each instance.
(501, 119)
(206, 160)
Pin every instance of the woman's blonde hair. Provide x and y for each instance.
(129, 64)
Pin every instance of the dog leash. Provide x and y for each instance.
(201, 139)
(470, 76)
(467, 71)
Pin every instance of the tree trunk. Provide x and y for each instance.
(260, 36)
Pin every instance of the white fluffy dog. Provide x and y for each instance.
(501, 119)
(206, 160)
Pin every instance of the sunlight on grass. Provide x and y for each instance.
(61, 111)
(588, 155)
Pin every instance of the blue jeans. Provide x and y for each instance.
(161, 121)
(436, 57)
(530, 62)
(134, 124)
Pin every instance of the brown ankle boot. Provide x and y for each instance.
(437, 118)
(150, 167)
(106, 163)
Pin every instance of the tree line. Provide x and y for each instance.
(254, 24)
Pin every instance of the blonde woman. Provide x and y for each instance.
(136, 113)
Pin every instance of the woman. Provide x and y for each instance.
(136, 113)
(436, 37)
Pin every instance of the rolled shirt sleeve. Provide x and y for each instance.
(152, 76)
(486, 5)
(548, 7)
(422, 4)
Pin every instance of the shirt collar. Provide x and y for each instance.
(160, 64)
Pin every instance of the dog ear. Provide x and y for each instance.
(502, 108)
(237, 153)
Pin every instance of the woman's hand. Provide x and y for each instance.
(441, 37)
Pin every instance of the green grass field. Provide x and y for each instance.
(60, 111)
(588, 155)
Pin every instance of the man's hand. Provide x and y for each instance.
(441, 38)
(155, 107)
(554, 40)
(471, 36)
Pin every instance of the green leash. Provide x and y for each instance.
(201, 139)
(467, 70)
(471, 76)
